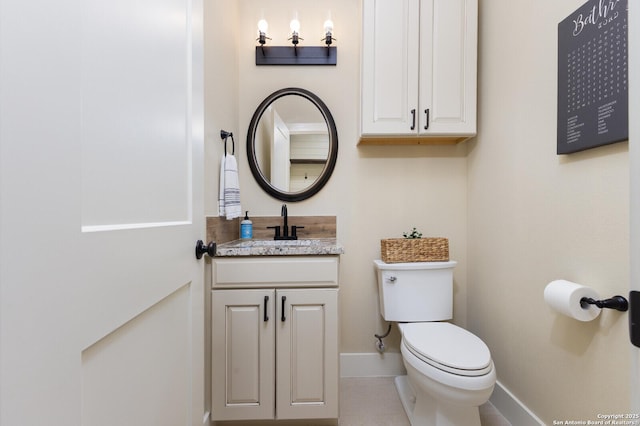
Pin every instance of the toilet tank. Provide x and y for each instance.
(417, 291)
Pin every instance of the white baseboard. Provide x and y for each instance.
(512, 408)
(371, 364)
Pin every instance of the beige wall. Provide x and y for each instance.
(517, 215)
(535, 217)
(221, 90)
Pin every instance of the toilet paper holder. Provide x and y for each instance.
(619, 303)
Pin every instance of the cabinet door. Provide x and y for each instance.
(243, 350)
(390, 67)
(448, 67)
(307, 354)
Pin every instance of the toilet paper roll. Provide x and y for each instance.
(564, 296)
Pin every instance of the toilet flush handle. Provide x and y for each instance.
(392, 279)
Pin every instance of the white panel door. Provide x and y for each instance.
(280, 154)
(101, 297)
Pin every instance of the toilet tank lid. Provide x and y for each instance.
(413, 266)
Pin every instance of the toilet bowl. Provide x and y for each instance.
(450, 372)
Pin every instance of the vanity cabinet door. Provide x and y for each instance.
(419, 66)
(243, 354)
(307, 354)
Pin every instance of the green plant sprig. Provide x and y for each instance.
(413, 234)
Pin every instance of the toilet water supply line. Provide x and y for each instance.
(379, 344)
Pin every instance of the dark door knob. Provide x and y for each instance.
(201, 249)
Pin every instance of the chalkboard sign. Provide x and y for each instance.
(593, 108)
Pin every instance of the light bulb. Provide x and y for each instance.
(328, 26)
(295, 26)
(263, 26)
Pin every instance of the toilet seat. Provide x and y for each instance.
(448, 348)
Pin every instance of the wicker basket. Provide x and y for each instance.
(399, 250)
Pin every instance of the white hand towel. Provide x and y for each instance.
(221, 209)
(229, 200)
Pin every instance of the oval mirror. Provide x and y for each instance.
(292, 144)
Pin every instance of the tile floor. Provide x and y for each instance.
(374, 401)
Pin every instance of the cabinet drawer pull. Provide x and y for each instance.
(426, 112)
(413, 119)
(283, 317)
(266, 301)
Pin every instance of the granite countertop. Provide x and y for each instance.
(301, 247)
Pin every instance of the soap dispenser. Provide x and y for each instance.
(246, 227)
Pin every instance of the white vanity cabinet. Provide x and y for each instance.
(275, 338)
(419, 66)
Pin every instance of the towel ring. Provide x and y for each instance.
(224, 135)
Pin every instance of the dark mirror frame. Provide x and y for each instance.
(333, 147)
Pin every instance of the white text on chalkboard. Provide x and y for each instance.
(600, 14)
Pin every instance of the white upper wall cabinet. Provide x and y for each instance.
(419, 65)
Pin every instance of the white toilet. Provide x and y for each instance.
(449, 370)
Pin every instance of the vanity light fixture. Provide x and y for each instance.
(295, 32)
(296, 54)
(263, 26)
(328, 32)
